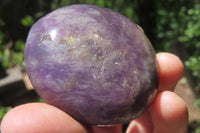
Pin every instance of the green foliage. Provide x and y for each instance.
(11, 57)
(12, 54)
(197, 103)
(191, 32)
(191, 39)
(5, 58)
(18, 53)
(3, 111)
(198, 128)
(169, 26)
(178, 21)
(1, 36)
(27, 21)
(193, 64)
(41, 100)
(4, 55)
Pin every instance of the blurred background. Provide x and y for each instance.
(171, 25)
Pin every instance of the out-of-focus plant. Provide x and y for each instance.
(197, 103)
(27, 21)
(193, 64)
(198, 128)
(4, 56)
(4, 52)
(18, 52)
(3, 111)
(178, 21)
(181, 24)
(12, 53)
(172, 19)
(191, 38)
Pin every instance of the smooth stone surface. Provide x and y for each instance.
(93, 63)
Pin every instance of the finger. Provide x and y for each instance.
(40, 118)
(168, 114)
(143, 124)
(107, 129)
(140, 28)
(169, 111)
(170, 70)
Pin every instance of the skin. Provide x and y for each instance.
(167, 114)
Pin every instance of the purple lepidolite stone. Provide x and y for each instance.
(92, 63)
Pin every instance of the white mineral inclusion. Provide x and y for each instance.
(53, 34)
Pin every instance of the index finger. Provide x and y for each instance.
(170, 70)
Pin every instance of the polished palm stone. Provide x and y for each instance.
(93, 63)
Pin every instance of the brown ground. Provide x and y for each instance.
(185, 92)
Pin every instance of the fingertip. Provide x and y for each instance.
(142, 124)
(39, 118)
(169, 110)
(140, 28)
(170, 70)
(107, 129)
(167, 114)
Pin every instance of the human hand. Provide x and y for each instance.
(167, 114)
